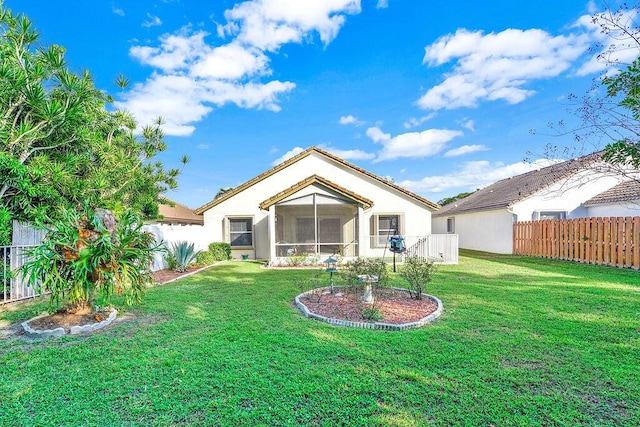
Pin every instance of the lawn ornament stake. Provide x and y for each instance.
(396, 245)
(331, 268)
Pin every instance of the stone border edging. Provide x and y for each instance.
(188, 274)
(74, 330)
(372, 325)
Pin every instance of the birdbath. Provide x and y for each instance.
(368, 280)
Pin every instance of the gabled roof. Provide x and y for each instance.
(509, 191)
(316, 179)
(302, 155)
(178, 214)
(624, 192)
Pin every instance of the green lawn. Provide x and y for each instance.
(521, 342)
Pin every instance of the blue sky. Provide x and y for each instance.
(437, 95)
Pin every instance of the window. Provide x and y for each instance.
(451, 225)
(540, 215)
(385, 226)
(240, 232)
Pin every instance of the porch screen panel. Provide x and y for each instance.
(316, 224)
(295, 227)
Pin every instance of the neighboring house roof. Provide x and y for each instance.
(316, 179)
(302, 155)
(178, 214)
(624, 192)
(507, 192)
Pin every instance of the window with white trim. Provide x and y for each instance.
(384, 226)
(451, 225)
(551, 214)
(240, 232)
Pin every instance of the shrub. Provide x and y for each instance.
(418, 273)
(221, 251)
(184, 254)
(205, 258)
(312, 284)
(170, 259)
(352, 269)
(6, 227)
(370, 312)
(89, 255)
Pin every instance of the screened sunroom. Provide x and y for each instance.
(315, 217)
(316, 224)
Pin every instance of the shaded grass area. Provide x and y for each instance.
(522, 341)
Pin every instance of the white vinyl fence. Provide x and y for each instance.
(26, 234)
(12, 284)
(169, 233)
(442, 248)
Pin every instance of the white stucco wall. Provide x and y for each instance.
(169, 233)
(614, 209)
(567, 195)
(490, 231)
(386, 200)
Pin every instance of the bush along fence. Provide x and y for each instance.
(602, 241)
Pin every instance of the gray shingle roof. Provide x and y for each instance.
(506, 192)
(623, 192)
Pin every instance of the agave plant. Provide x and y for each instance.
(184, 253)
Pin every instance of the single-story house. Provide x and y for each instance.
(315, 204)
(484, 220)
(619, 201)
(177, 214)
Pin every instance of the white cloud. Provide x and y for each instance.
(350, 120)
(343, 154)
(471, 176)
(616, 46)
(268, 24)
(382, 4)
(286, 156)
(152, 21)
(203, 146)
(497, 66)
(413, 121)
(469, 124)
(117, 10)
(176, 98)
(234, 72)
(349, 154)
(231, 62)
(176, 51)
(465, 149)
(411, 144)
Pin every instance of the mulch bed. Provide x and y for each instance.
(396, 306)
(163, 276)
(67, 320)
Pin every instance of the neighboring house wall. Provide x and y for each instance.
(567, 195)
(489, 231)
(621, 209)
(245, 204)
(492, 230)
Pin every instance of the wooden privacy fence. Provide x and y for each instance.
(602, 241)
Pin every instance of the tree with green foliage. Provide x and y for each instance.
(88, 257)
(222, 191)
(59, 145)
(448, 200)
(609, 119)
